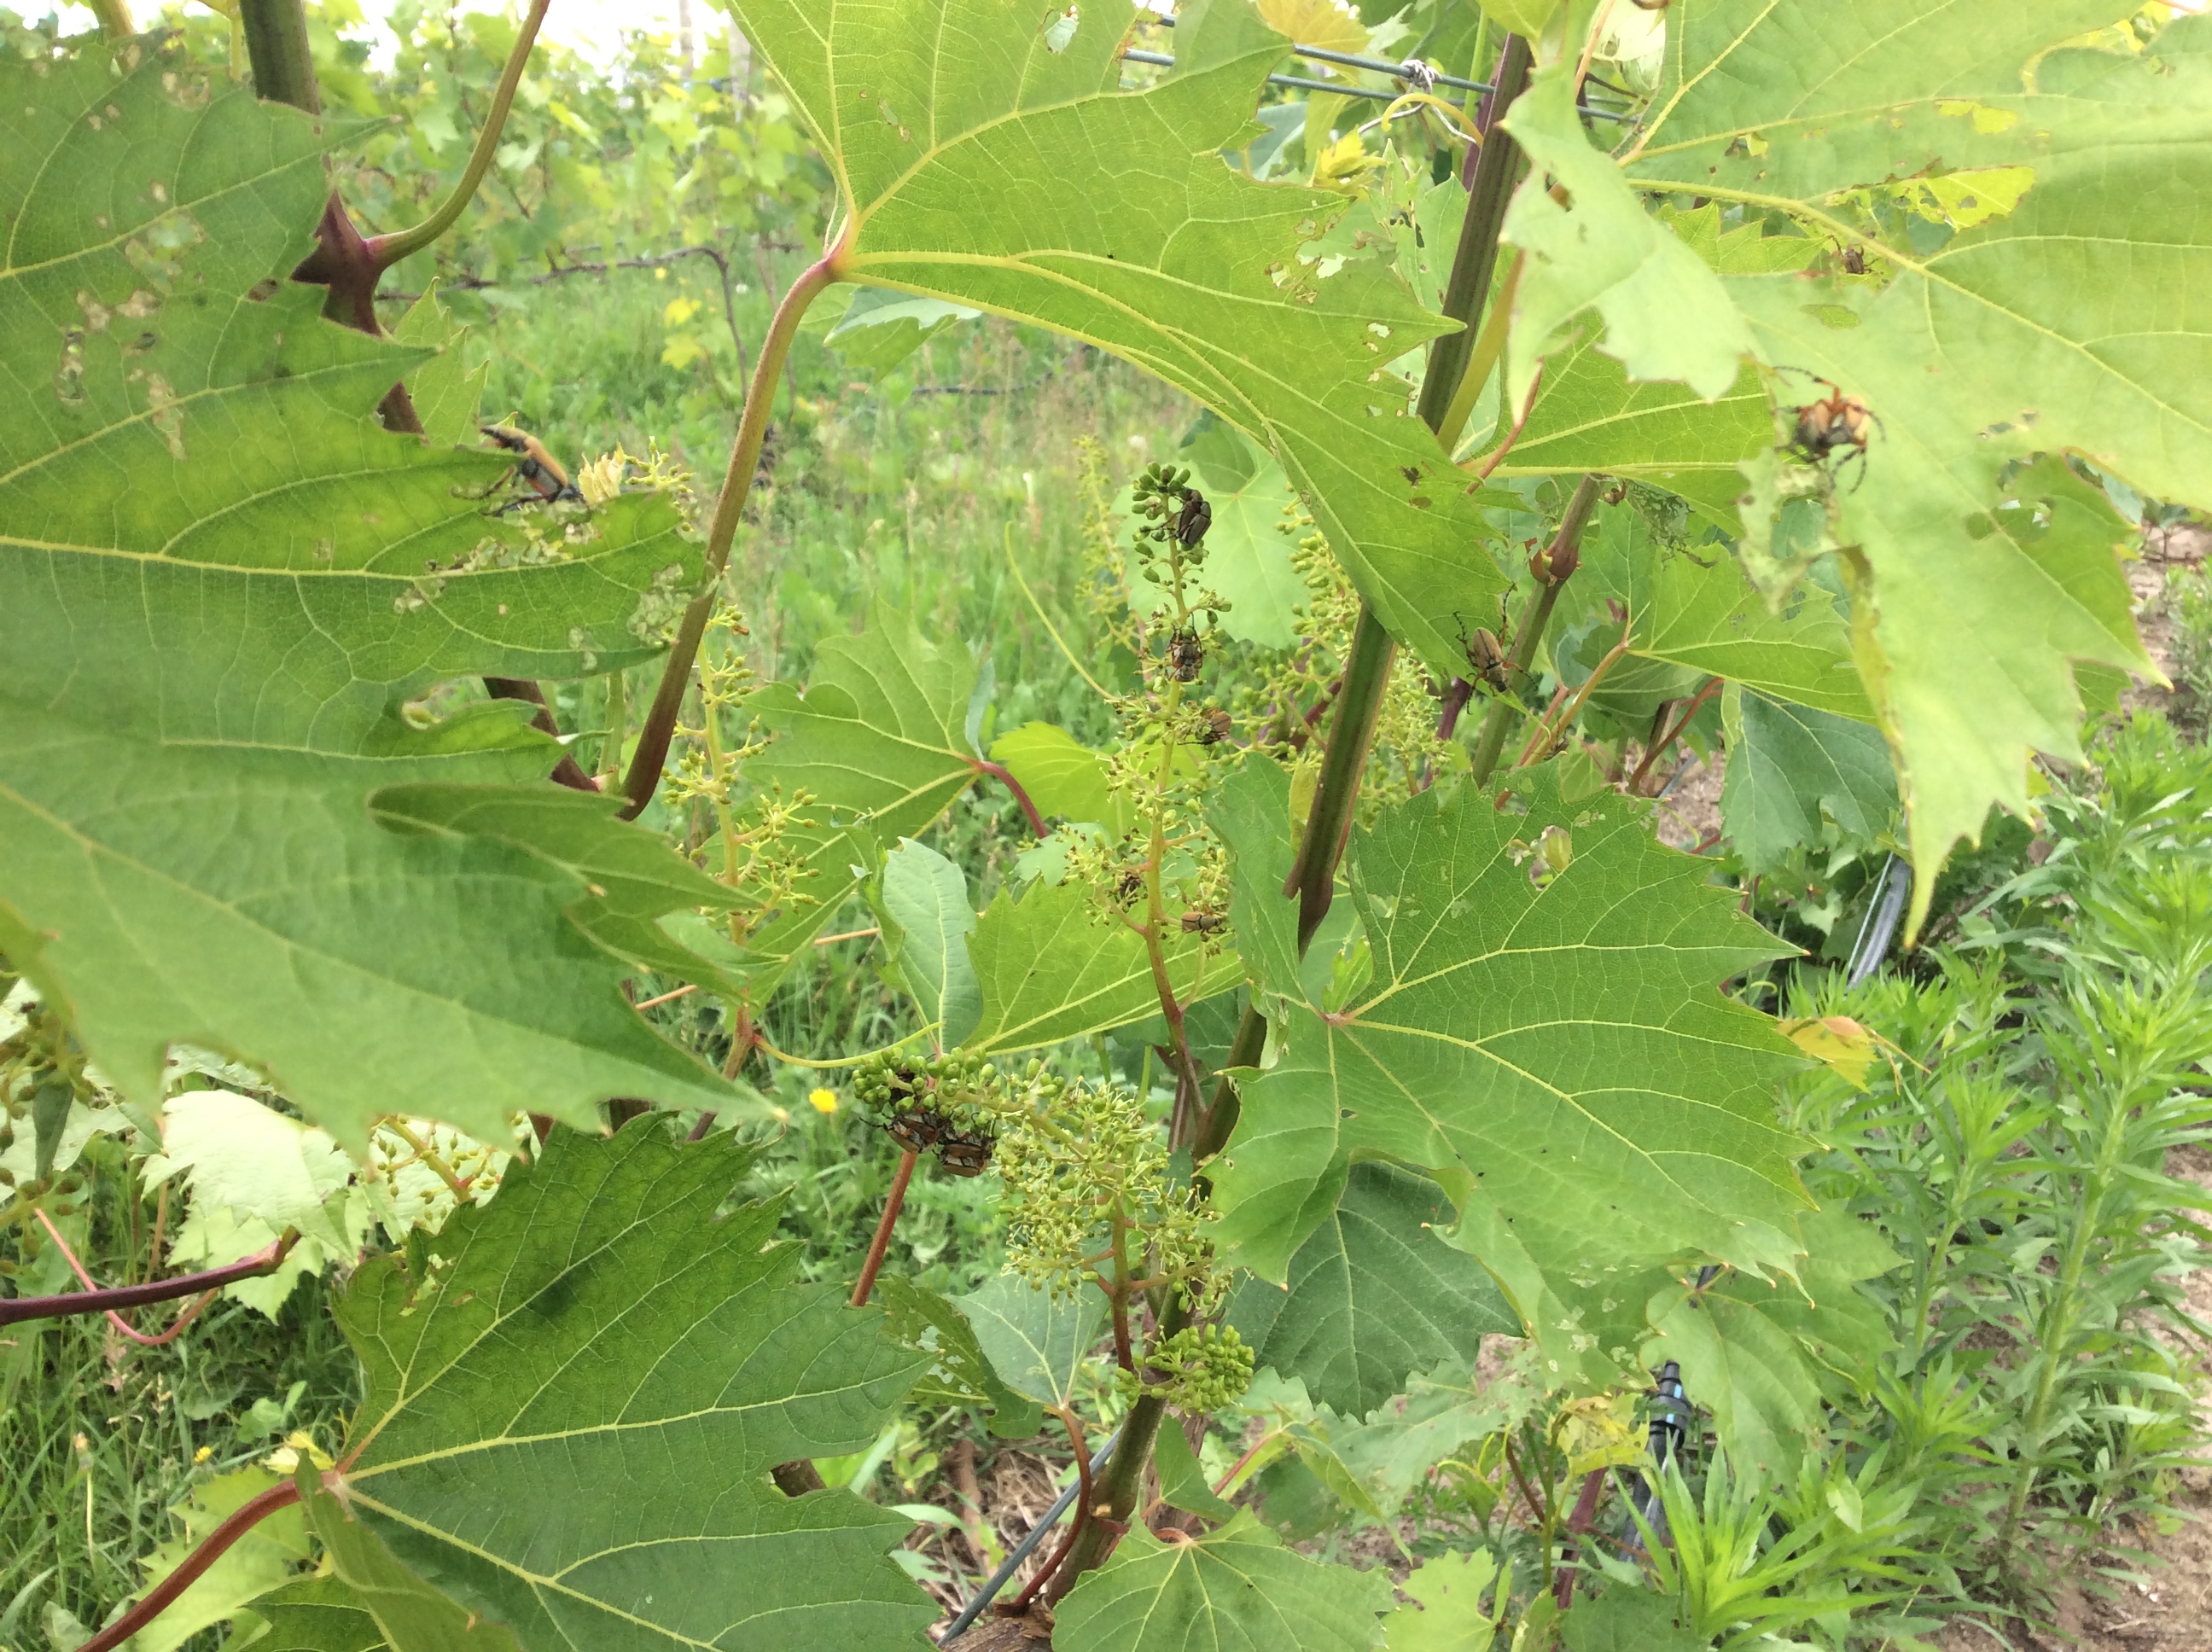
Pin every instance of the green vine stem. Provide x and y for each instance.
(1114, 1497)
(1495, 165)
(387, 249)
(659, 727)
(1328, 826)
(1494, 168)
(1552, 571)
(113, 17)
(276, 46)
(244, 1520)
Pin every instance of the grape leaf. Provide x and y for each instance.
(1251, 814)
(253, 1173)
(958, 1374)
(1446, 1612)
(220, 581)
(631, 879)
(1373, 1295)
(878, 745)
(1786, 765)
(248, 903)
(205, 535)
(2055, 326)
(260, 1560)
(1556, 1049)
(1055, 965)
(408, 1614)
(1690, 606)
(1064, 778)
(926, 920)
(1755, 1354)
(1035, 1339)
(949, 130)
(445, 391)
(1237, 1590)
(1667, 315)
(1591, 415)
(488, 1392)
(1182, 1479)
(314, 1614)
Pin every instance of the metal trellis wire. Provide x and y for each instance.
(1424, 77)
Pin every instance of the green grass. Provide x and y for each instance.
(101, 1437)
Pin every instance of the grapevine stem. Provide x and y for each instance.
(1563, 557)
(91, 1300)
(114, 18)
(644, 776)
(248, 1516)
(881, 1243)
(1644, 768)
(1494, 168)
(1366, 674)
(1116, 1495)
(387, 249)
(277, 46)
(176, 1326)
(1020, 1603)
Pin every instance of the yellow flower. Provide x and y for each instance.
(202, 1454)
(822, 1100)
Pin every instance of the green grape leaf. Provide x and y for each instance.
(445, 391)
(1055, 965)
(251, 903)
(1550, 1042)
(632, 878)
(260, 1560)
(220, 581)
(1374, 1296)
(1442, 1413)
(252, 1173)
(1182, 1481)
(1692, 607)
(205, 535)
(879, 329)
(488, 1390)
(313, 1614)
(1591, 415)
(1237, 1590)
(1758, 1355)
(877, 746)
(1065, 779)
(409, 1614)
(949, 132)
(1788, 766)
(1797, 102)
(1666, 315)
(1625, 1618)
(922, 904)
(1446, 1612)
(958, 1374)
(1251, 814)
(1034, 1339)
(2054, 326)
